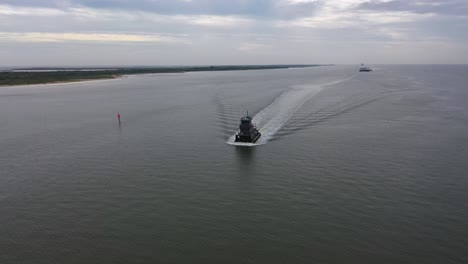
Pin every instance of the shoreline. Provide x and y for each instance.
(60, 76)
(57, 83)
(63, 82)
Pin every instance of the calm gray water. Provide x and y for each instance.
(351, 168)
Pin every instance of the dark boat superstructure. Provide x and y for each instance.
(248, 132)
(364, 68)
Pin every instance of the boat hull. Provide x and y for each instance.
(248, 138)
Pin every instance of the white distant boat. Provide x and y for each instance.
(364, 68)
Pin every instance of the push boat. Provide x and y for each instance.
(248, 132)
(364, 68)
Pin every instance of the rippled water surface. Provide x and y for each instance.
(351, 168)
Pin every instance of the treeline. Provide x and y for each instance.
(51, 75)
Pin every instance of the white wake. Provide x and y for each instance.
(272, 118)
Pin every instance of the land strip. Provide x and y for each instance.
(25, 76)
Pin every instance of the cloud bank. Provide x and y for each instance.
(149, 32)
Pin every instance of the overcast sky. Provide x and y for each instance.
(188, 32)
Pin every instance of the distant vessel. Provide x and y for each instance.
(248, 132)
(364, 68)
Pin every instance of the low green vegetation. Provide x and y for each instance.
(53, 75)
(21, 78)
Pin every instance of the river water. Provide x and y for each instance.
(351, 168)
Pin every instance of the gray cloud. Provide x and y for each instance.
(443, 7)
(260, 8)
(86, 32)
(256, 8)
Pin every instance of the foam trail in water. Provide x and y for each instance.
(271, 119)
